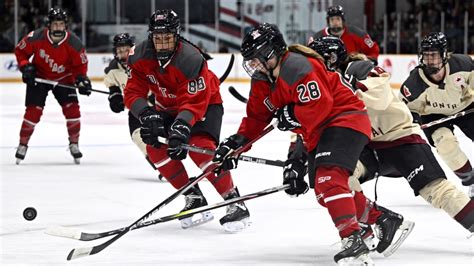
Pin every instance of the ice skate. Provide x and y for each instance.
(391, 230)
(237, 215)
(194, 199)
(75, 152)
(20, 153)
(354, 251)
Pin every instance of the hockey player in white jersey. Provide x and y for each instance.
(396, 141)
(116, 79)
(443, 85)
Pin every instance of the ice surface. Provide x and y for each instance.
(113, 186)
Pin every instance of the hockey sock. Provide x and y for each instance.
(466, 216)
(30, 119)
(172, 170)
(73, 121)
(223, 181)
(331, 183)
(366, 210)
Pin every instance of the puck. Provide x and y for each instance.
(29, 214)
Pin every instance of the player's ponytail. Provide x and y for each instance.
(306, 51)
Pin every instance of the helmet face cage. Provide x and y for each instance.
(163, 22)
(57, 14)
(122, 39)
(332, 49)
(261, 44)
(435, 41)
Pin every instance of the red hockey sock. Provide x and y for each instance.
(332, 184)
(222, 182)
(172, 170)
(30, 119)
(366, 210)
(73, 121)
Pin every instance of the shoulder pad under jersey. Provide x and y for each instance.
(357, 31)
(74, 41)
(294, 68)
(36, 35)
(188, 60)
(460, 62)
(114, 64)
(143, 50)
(413, 86)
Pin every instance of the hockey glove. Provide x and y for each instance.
(116, 100)
(179, 134)
(295, 169)
(84, 85)
(225, 148)
(286, 118)
(29, 74)
(152, 126)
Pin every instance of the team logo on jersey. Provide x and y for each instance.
(48, 60)
(369, 42)
(406, 91)
(459, 81)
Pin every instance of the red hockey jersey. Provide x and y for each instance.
(63, 61)
(321, 100)
(184, 84)
(356, 41)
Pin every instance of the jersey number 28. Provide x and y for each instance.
(308, 92)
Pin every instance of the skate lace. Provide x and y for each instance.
(347, 242)
(235, 207)
(22, 149)
(378, 231)
(190, 200)
(74, 148)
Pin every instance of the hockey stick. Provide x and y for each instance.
(237, 95)
(56, 83)
(444, 119)
(83, 236)
(227, 71)
(82, 252)
(245, 158)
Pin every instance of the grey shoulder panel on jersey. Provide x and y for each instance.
(357, 31)
(189, 61)
(143, 50)
(37, 35)
(415, 86)
(360, 69)
(74, 41)
(114, 64)
(294, 68)
(460, 62)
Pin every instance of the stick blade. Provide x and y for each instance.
(62, 231)
(79, 253)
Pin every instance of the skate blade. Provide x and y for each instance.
(403, 231)
(77, 161)
(237, 226)
(362, 260)
(18, 161)
(190, 222)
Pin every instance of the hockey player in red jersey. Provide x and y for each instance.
(188, 110)
(308, 100)
(355, 39)
(58, 55)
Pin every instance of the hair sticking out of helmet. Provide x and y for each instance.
(57, 14)
(122, 43)
(332, 49)
(259, 45)
(164, 29)
(433, 53)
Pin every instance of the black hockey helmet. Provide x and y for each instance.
(262, 42)
(56, 14)
(122, 39)
(332, 49)
(165, 21)
(334, 11)
(435, 41)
